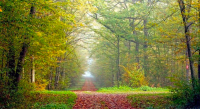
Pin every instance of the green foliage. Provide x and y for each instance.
(19, 99)
(147, 88)
(184, 95)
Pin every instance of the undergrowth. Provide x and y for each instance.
(53, 99)
(185, 96)
(130, 89)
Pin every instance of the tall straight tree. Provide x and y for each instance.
(185, 11)
(15, 75)
(199, 45)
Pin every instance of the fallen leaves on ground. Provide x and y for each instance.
(102, 101)
(94, 100)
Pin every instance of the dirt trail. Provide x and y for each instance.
(89, 99)
(88, 85)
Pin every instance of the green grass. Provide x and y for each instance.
(143, 89)
(151, 101)
(52, 100)
(54, 92)
(52, 106)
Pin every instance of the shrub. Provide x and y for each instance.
(146, 88)
(134, 76)
(184, 95)
(15, 99)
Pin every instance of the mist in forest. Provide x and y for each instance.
(67, 44)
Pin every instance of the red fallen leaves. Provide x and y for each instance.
(88, 85)
(102, 101)
(98, 100)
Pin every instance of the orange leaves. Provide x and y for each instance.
(1, 9)
(102, 101)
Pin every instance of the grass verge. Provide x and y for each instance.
(151, 101)
(52, 100)
(126, 89)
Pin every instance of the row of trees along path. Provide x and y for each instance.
(94, 100)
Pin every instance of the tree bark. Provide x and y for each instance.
(2, 63)
(136, 43)
(145, 48)
(23, 53)
(57, 77)
(187, 37)
(199, 47)
(118, 62)
(32, 70)
(11, 66)
(199, 66)
(63, 74)
(113, 75)
(21, 61)
(137, 51)
(187, 69)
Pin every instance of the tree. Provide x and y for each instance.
(187, 25)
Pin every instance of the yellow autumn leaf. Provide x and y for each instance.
(39, 33)
(81, 24)
(1, 10)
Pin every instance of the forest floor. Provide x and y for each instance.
(89, 99)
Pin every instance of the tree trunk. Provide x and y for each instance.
(21, 61)
(199, 66)
(187, 68)
(33, 70)
(118, 62)
(137, 51)
(50, 79)
(136, 40)
(22, 54)
(199, 47)
(187, 36)
(112, 73)
(57, 77)
(63, 74)
(145, 48)
(136, 43)
(11, 66)
(2, 64)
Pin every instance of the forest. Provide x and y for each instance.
(66, 53)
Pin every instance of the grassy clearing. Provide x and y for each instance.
(151, 101)
(126, 89)
(51, 100)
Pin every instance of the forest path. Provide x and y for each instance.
(88, 85)
(89, 99)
